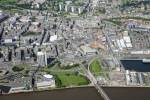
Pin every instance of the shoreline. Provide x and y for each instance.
(73, 87)
(52, 89)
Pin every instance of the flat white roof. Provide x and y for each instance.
(35, 23)
(125, 33)
(48, 76)
(53, 38)
(127, 39)
(129, 45)
(136, 52)
(40, 53)
(8, 40)
(86, 49)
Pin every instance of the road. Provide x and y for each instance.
(94, 81)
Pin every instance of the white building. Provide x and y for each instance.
(41, 58)
(53, 38)
(71, 8)
(86, 50)
(25, 19)
(47, 81)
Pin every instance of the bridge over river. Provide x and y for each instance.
(94, 82)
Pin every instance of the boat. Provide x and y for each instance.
(146, 60)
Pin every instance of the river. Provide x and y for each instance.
(128, 93)
(86, 93)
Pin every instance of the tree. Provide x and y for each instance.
(17, 68)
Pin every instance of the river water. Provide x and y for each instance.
(88, 93)
(64, 94)
(136, 65)
(130, 93)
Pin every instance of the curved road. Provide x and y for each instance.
(94, 81)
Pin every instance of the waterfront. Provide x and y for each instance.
(62, 94)
(136, 65)
(86, 93)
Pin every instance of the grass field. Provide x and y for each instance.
(7, 1)
(31, 33)
(71, 79)
(66, 77)
(95, 67)
(23, 68)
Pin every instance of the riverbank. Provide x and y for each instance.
(83, 93)
(50, 89)
(79, 93)
(74, 87)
